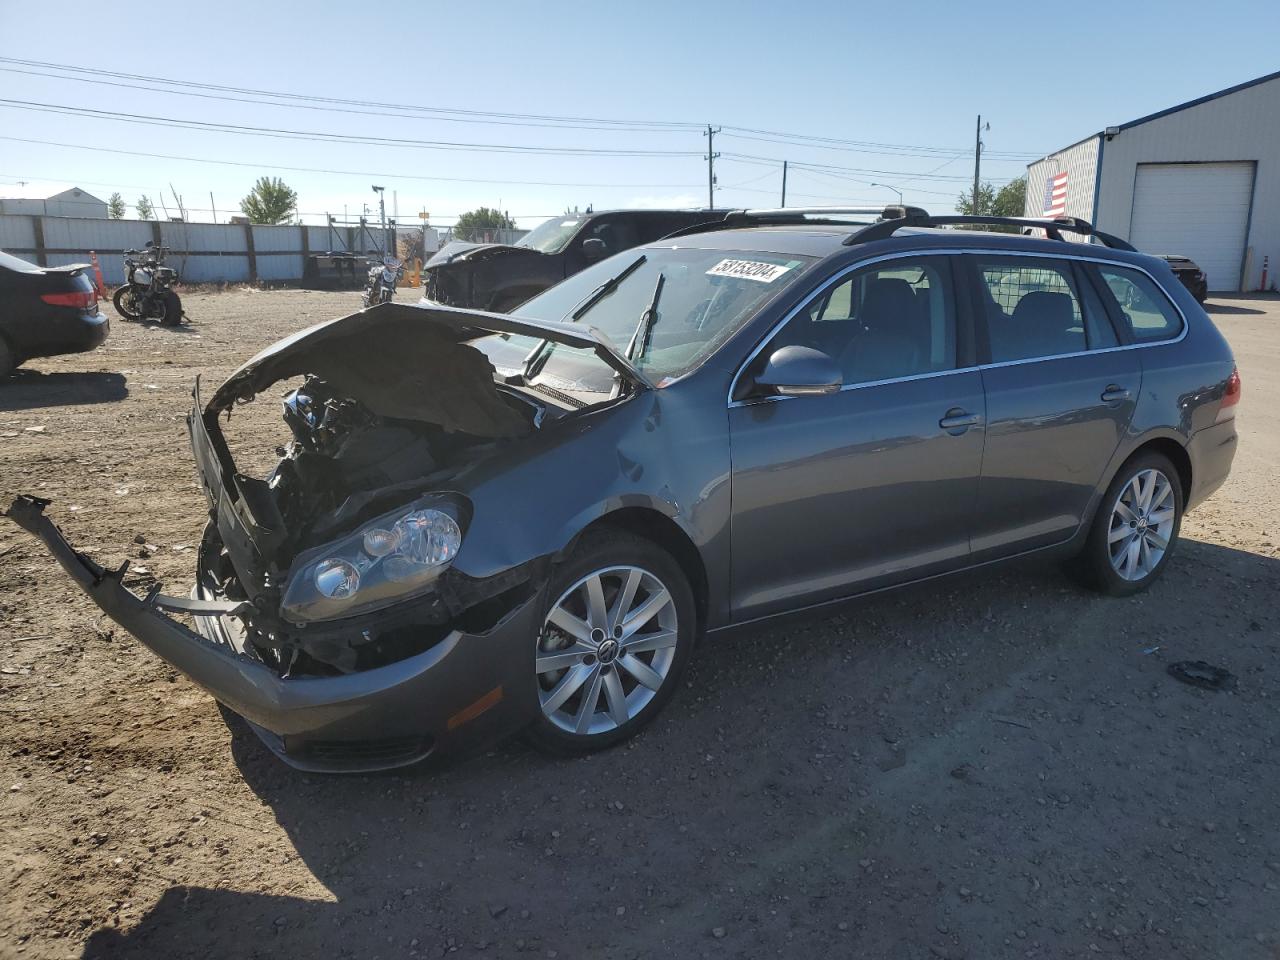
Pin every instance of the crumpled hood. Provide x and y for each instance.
(462, 250)
(412, 362)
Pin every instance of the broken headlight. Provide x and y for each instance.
(385, 561)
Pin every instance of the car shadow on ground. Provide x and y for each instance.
(638, 851)
(1229, 308)
(31, 389)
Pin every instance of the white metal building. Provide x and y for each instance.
(1201, 180)
(45, 201)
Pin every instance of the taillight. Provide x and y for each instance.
(1231, 393)
(81, 299)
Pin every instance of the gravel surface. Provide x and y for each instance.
(992, 765)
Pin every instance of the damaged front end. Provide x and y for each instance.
(344, 553)
(329, 608)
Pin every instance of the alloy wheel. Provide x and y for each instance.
(605, 650)
(1142, 522)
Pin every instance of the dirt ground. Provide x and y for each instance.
(994, 765)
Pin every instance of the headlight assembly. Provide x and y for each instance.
(387, 560)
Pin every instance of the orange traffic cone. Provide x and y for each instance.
(97, 274)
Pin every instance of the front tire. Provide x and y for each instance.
(617, 628)
(126, 303)
(1136, 527)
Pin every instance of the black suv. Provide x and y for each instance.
(500, 276)
(1189, 272)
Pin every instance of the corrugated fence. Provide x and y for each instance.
(201, 252)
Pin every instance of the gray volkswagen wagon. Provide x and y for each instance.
(485, 523)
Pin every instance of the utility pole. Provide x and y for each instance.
(784, 183)
(711, 165)
(213, 207)
(977, 162)
(382, 208)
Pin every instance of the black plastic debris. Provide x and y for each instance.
(1201, 674)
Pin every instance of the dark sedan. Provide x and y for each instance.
(46, 311)
(487, 523)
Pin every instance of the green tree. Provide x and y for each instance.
(270, 201)
(1011, 199)
(472, 224)
(1008, 201)
(144, 208)
(115, 207)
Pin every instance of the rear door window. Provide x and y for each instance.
(1144, 307)
(885, 322)
(1037, 308)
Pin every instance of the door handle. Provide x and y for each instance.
(1113, 393)
(959, 419)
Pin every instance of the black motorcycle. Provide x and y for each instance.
(380, 285)
(146, 294)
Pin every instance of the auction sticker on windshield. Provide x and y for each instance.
(749, 270)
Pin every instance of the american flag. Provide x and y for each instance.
(1055, 196)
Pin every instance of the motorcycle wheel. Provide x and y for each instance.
(126, 303)
(170, 309)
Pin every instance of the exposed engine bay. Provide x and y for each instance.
(341, 558)
(341, 448)
(343, 465)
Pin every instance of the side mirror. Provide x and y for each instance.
(594, 249)
(799, 372)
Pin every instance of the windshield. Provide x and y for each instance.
(705, 295)
(552, 236)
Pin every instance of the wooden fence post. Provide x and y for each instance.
(253, 257)
(306, 250)
(37, 227)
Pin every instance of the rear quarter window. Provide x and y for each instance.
(1034, 308)
(1144, 307)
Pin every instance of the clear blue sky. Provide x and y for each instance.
(908, 73)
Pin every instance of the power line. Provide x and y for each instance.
(344, 105)
(475, 114)
(348, 173)
(893, 152)
(349, 110)
(866, 183)
(752, 158)
(321, 137)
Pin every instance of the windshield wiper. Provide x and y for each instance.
(538, 355)
(607, 288)
(639, 344)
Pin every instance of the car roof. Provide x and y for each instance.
(826, 240)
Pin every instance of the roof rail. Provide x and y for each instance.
(787, 215)
(915, 217)
(828, 212)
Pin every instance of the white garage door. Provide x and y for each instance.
(1196, 210)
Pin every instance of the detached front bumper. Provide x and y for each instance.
(466, 691)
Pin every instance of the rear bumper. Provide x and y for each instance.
(466, 691)
(1211, 451)
(64, 330)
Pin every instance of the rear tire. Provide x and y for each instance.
(1136, 528)
(171, 307)
(126, 303)
(609, 666)
(8, 362)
